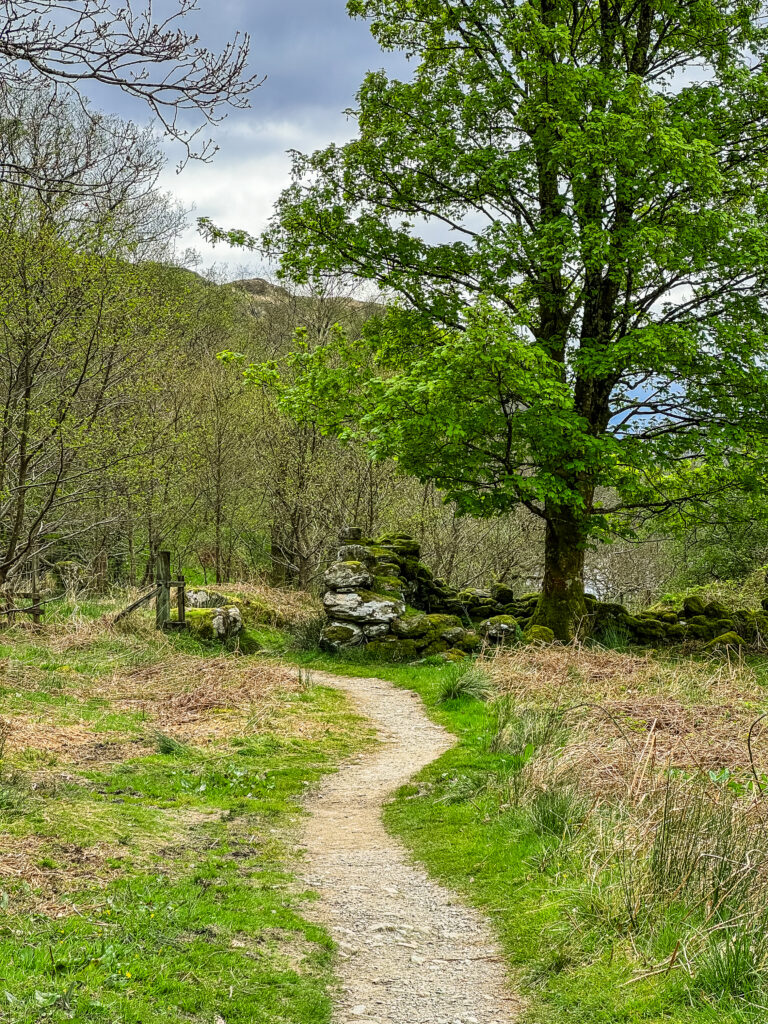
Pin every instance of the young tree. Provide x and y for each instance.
(76, 316)
(588, 335)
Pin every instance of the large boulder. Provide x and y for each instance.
(362, 606)
(215, 623)
(338, 635)
(347, 576)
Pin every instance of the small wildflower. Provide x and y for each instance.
(127, 974)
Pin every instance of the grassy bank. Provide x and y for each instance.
(601, 810)
(148, 792)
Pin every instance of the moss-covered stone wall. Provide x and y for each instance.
(380, 593)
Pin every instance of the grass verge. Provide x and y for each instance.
(600, 808)
(148, 790)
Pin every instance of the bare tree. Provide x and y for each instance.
(69, 43)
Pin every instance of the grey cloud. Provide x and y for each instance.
(314, 57)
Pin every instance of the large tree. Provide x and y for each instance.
(567, 199)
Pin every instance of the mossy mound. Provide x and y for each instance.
(729, 639)
(539, 635)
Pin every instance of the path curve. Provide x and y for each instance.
(410, 951)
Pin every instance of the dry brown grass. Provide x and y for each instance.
(69, 744)
(196, 701)
(630, 715)
(201, 701)
(50, 871)
(288, 607)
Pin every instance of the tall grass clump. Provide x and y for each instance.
(560, 812)
(463, 679)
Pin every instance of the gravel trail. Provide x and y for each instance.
(411, 952)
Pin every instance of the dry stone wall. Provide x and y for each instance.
(380, 593)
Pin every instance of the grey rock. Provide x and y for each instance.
(376, 629)
(347, 576)
(204, 599)
(338, 635)
(353, 608)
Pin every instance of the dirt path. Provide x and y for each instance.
(411, 953)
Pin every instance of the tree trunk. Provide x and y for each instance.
(561, 605)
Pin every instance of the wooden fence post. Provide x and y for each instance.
(181, 602)
(163, 580)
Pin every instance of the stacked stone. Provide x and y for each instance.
(379, 593)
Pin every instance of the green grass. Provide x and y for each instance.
(521, 857)
(192, 913)
(158, 888)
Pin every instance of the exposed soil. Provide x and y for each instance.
(411, 952)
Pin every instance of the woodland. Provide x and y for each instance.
(434, 549)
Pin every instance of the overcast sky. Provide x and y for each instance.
(314, 57)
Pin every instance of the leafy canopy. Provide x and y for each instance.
(567, 203)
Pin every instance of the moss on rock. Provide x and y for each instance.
(539, 635)
(454, 654)
(729, 639)
(412, 627)
(693, 606)
(671, 618)
(717, 610)
(676, 631)
(502, 593)
(439, 622)
(499, 629)
(220, 623)
(338, 635)
(391, 648)
(435, 647)
(390, 585)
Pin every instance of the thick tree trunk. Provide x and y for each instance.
(561, 605)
